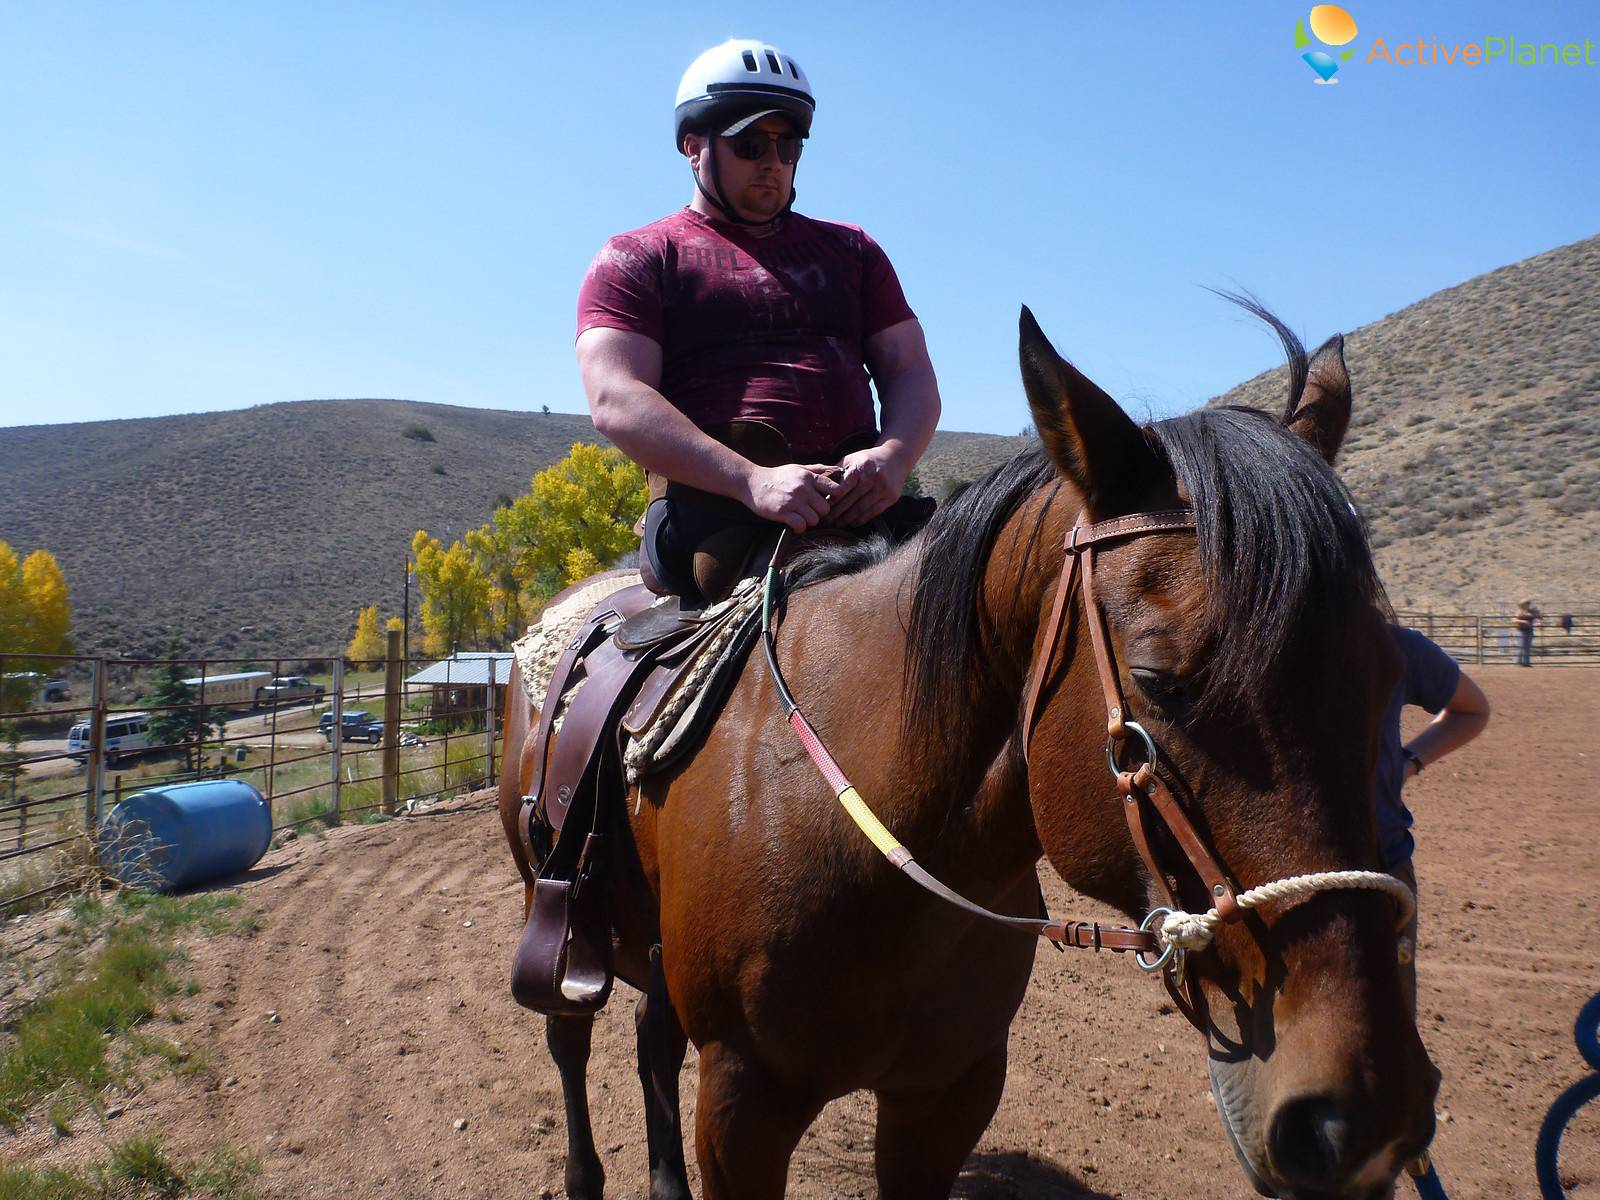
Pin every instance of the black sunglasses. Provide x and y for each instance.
(752, 145)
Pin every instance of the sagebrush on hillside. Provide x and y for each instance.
(1475, 454)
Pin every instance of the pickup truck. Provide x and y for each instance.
(285, 689)
(359, 726)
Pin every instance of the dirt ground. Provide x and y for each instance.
(385, 954)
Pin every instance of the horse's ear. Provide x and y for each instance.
(1322, 414)
(1092, 441)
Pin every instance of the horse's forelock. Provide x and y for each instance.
(1283, 551)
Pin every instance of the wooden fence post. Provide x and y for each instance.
(489, 719)
(95, 780)
(392, 681)
(1478, 622)
(336, 732)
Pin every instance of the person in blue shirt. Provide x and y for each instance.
(1432, 680)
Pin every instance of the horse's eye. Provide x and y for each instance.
(1160, 688)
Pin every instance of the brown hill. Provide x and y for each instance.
(1475, 444)
(260, 532)
(1475, 451)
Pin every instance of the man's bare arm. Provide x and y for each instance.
(909, 393)
(621, 375)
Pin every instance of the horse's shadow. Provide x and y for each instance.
(1011, 1174)
(986, 1175)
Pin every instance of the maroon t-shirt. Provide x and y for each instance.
(762, 329)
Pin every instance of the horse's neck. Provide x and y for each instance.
(968, 790)
(842, 648)
(1021, 575)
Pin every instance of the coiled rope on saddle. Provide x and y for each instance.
(679, 711)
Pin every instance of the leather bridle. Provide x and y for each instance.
(1141, 788)
(1160, 941)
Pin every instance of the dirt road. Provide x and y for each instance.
(48, 756)
(385, 949)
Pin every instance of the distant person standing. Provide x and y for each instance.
(1527, 616)
(1432, 680)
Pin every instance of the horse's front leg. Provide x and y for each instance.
(925, 1135)
(746, 1127)
(569, 1038)
(662, 1046)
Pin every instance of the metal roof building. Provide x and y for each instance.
(468, 689)
(466, 669)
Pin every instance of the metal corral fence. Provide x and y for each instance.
(1559, 639)
(79, 733)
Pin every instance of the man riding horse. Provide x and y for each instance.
(727, 347)
(1190, 605)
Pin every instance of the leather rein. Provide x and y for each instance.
(1156, 947)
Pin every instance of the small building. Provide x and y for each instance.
(465, 686)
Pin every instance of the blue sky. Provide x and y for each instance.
(211, 205)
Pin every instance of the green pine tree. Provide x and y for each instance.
(177, 725)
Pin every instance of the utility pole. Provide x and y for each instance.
(405, 628)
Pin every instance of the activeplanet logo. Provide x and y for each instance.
(1332, 26)
(1507, 50)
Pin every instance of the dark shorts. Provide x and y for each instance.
(675, 527)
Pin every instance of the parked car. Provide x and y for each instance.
(127, 734)
(285, 689)
(23, 688)
(358, 726)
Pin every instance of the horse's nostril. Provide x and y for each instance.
(1310, 1141)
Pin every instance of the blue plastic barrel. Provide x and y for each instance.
(175, 837)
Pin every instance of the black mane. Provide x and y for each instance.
(945, 663)
(1281, 545)
(829, 560)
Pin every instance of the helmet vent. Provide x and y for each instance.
(772, 61)
(750, 62)
(793, 74)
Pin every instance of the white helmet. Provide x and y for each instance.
(741, 81)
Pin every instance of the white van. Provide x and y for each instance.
(127, 734)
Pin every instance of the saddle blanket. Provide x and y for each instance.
(678, 718)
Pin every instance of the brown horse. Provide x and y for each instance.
(804, 966)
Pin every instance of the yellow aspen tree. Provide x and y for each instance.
(580, 564)
(12, 611)
(44, 589)
(494, 551)
(589, 501)
(455, 595)
(367, 646)
(35, 612)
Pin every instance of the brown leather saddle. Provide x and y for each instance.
(630, 653)
(730, 546)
